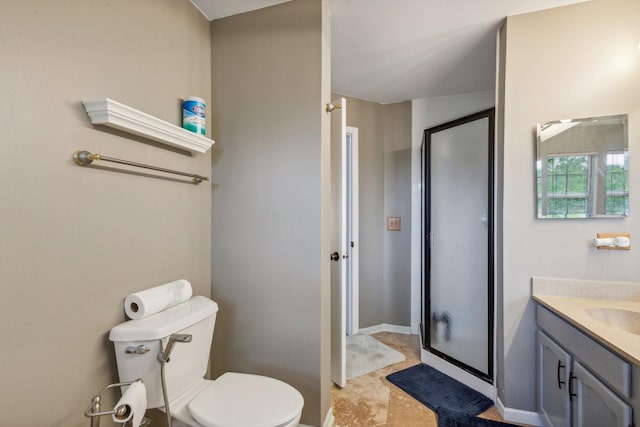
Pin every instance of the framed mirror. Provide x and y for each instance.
(582, 168)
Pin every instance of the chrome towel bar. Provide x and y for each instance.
(85, 158)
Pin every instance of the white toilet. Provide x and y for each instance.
(186, 331)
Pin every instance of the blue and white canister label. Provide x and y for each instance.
(194, 114)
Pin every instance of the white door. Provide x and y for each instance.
(338, 245)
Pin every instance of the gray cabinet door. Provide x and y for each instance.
(553, 378)
(594, 405)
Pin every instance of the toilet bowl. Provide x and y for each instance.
(236, 399)
(231, 400)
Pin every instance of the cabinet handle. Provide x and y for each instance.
(571, 393)
(560, 366)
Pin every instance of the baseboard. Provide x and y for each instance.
(386, 327)
(518, 415)
(329, 419)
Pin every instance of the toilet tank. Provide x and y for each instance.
(188, 361)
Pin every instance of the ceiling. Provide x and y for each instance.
(396, 50)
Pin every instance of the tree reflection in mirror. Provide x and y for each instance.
(586, 172)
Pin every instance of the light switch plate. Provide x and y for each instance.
(393, 223)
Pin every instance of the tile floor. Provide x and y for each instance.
(371, 400)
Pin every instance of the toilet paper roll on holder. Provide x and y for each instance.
(122, 411)
(618, 241)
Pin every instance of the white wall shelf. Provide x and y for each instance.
(111, 113)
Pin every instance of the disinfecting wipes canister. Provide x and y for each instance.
(194, 114)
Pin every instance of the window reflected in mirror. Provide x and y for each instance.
(582, 168)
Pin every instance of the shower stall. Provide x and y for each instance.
(457, 312)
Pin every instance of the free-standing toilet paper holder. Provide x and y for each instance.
(122, 411)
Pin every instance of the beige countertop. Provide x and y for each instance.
(587, 306)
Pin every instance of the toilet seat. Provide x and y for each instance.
(245, 400)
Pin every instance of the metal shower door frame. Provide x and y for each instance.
(425, 328)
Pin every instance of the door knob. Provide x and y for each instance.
(335, 256)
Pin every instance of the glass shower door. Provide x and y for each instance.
(458, 246)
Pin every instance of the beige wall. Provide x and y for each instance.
(325, 220)
(269, 259)
(75, 241)
(574, 61)
(396, 253)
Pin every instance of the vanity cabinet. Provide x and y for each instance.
(554, 365)
(594, 404)
(579, 382)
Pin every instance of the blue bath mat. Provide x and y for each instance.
(448, 418)
(436, 390)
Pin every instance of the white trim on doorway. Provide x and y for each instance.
(416, 235)
(353, 283)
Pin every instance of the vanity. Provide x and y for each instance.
(588, 352)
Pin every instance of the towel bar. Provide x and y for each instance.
(85, 158)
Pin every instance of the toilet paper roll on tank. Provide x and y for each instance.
(145, 303)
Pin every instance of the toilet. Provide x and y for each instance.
(186, 331)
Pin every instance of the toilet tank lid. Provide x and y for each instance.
(165, 323)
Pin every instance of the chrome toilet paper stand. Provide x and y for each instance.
(121, 412)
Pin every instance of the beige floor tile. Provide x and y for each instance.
(371, 400)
